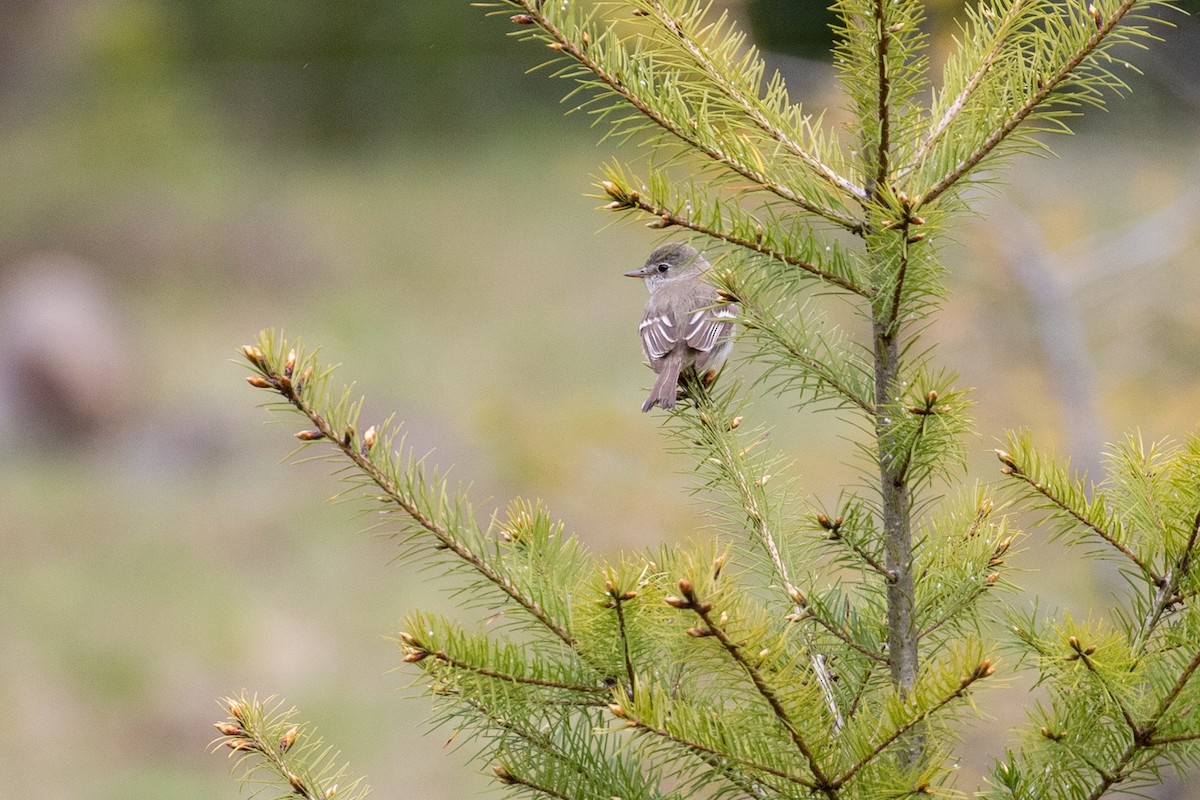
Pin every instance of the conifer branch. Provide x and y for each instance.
(842, 636)
(967, 602)
(835, 528)
(416, 652)
(614, 83)
(271, 377)
(983, 670)
(982, 68)
(750, 495)
(860, 691)
(691, 602)
(751, 106)
(1168, 594)
(795, 354)
(712, 756)
(666, 217)
(616, 598)
(510, 778)
(883, 107)
(265, 739)
(1045, 87)
(1044, 489)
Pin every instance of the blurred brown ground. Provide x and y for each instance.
(382, 179)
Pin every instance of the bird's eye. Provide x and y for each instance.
(663, 267)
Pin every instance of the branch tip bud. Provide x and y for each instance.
(521, 19)
(253, 354)
(258, 382)
(289, 366)
(288, 739)
(236, 710)
(308, 436)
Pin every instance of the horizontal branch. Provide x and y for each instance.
(270, 377)
(983, 670)
(703, 750)
(719, 75)
(668, 217)
(615, 84)
(1011, 467)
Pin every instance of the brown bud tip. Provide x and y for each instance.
(288, 739)
(586, 39)
(297, 783)
(1073, 641)
(797, 596)
(640, 12)
(991, 579)
(502, 773)
(698, 632)
(616, 710)
(931, 397)
(228, 729)
(611, 189)
(1003, 545)
(610, 587)
(235, 709)
(258, 382)
(676, 602)
(615, 205)
(723, 619)
(521, 19)
(1006, 458)
(917, 220)
(368, 439)
(415, 656)
(308, 436)
(686, 588)
(304, 376)
(896, 27)
(289, 366)
(252, 354)
(240, 744)
(736, 423)
(766, 651)
(824, 522)
(916, 237)
(555, 45)
(1091, 648)
(629, 595)
(407, 638)
(331, 791)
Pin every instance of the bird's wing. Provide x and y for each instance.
(705, 328)
(659, 335)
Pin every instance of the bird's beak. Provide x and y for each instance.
(637, 273)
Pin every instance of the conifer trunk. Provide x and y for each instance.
(897, 524)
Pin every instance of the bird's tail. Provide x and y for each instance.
(666, 387)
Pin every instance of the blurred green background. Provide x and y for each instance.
(382, 179)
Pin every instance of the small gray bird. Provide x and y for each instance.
(686, 325)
